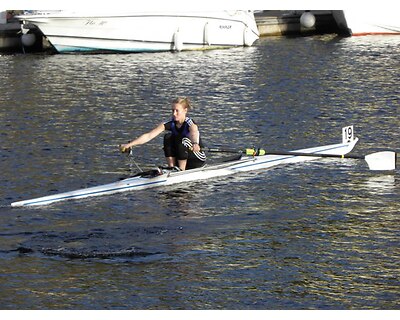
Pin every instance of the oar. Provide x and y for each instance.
(383, 160)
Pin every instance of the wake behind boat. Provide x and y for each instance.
(169, 177)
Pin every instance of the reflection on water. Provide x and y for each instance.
(383, 184)
(318, 235)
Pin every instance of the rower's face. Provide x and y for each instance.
(179, 112)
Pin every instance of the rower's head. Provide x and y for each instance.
(180, 108)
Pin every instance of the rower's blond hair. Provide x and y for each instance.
(184, 101)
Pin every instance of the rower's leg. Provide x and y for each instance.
(170, 150)
(171, 161)
(182, 164)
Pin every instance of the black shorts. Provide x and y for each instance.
(181, 149)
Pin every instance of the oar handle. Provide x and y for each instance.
(124, 149)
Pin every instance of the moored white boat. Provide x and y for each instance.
(365, 20)
(245, 163)
(118, 31)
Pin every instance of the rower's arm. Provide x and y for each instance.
(146, 137)
(194, 133)
(195, 137)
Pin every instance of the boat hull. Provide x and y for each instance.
(362, 21)
(207, 172)
(146, 32)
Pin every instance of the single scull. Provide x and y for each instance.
(245, 163)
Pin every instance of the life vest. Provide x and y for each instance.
(182, 131)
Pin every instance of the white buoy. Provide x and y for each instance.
(307, 20)
(178, 41)
(28, 39)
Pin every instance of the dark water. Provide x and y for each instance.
(319, 235)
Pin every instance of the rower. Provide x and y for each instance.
(182, 144)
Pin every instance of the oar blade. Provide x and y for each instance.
(384, 160)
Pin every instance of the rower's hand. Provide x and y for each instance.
(196, 148)
(124, 148)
